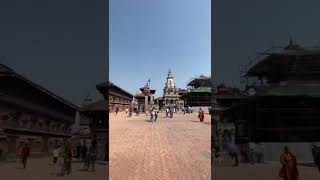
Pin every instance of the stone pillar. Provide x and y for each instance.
(151, 99)
(146, 108)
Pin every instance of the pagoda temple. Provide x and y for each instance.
(94, 117)
(283, 102)
(199, 93)
(145, 99)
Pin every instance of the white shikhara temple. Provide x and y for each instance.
(171, 93)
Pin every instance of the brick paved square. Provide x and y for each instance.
(175, 148)
(268, 171)
(42, 169)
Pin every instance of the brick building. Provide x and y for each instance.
(30, 113)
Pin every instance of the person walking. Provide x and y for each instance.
(260, 152)
(201, 115)
(230, 147)
(234, 153)
(25, 155)
(155, 115)
(130, 112)
(316, 155)
(92, 156)
(117, 110)
(55, 154)
(87, 160)
(152, 112)
(84, 151)
(167, 112)
(67, 158)
(289, 169)
(126, 110)
(251, 155)
(217, 154)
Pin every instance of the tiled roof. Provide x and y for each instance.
(312, 90)
(100, 105)
(110, 84)
(5, 70)
(201, 89)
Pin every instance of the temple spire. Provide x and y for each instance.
(169, 74)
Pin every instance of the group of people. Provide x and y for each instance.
(187, 109)
(253, 152)
(289, 166)
(169, 111)
(131, 110)
(64, 155)
(83, 152)
(154, 114)
(87, 154)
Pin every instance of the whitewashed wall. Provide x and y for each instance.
(303, 151)
(196, 109)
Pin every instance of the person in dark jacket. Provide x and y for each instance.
(84, 150)
(316, 155)
(25, 153)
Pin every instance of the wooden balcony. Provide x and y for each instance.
(36, 108)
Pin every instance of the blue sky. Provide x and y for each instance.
(147, 37)
(241, 29)
(57, 44)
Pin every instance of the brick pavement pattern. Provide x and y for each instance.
(42, 169)
(267, 171)
(175, 148)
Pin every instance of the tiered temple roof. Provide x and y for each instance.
(201, 81)
(290, 62)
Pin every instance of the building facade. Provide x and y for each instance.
(31, 114)
(116, 96)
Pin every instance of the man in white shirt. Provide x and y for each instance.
(56, 152)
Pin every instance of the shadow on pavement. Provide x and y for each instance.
(307, 164)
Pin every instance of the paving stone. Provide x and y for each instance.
(175, 148)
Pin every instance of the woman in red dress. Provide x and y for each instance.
(289, 170)
(201, 115)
